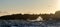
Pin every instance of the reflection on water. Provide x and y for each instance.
(22, 23)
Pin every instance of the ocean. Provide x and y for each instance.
(23, 23)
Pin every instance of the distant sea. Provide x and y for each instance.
(23, 23)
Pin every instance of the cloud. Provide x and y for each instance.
(3, 13)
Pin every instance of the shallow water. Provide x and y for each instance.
(22, 23)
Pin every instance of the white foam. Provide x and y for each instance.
(38, 19)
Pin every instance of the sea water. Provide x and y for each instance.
(23, 23)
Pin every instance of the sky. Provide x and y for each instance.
(28, 6)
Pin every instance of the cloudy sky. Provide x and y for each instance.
(29, 6)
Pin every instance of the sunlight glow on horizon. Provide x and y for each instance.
(58, 5)
(29, 6)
